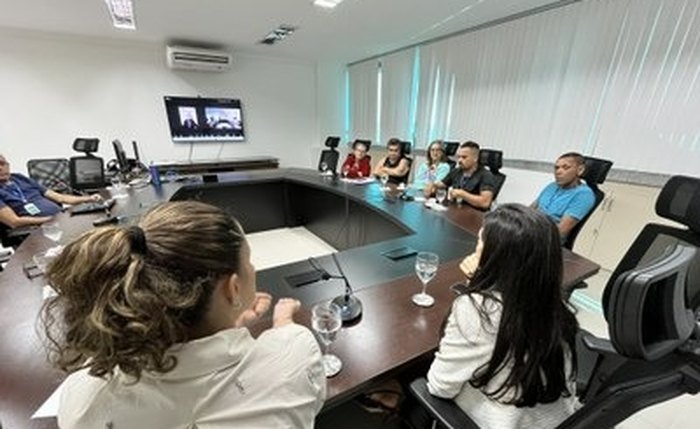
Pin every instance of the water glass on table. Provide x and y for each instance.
(326, 322)
(51, 230)
(426, 268)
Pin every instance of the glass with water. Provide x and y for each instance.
(440, 195)
(426, 268)
(51, 230)
(326, 322)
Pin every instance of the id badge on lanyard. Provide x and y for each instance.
(32, 209)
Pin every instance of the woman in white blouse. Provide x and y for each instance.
(150, 320)
(507, 356)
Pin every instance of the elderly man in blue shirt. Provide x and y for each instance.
(24, 202)
(568, 199)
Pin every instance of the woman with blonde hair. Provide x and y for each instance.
(151, 322)
(435, 167)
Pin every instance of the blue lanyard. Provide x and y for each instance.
(14, 189)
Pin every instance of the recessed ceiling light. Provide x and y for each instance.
(278, 34)
(328, 4)
(122, 13)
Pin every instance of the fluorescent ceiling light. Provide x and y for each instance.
(122, 13)
(329, 4)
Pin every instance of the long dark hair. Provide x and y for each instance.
(522, 259)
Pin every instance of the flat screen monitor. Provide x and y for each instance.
(120, 155)
(194, 119)
(87, 172)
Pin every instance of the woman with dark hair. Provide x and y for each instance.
(150, 320)
(434, 169)
(358, 163)
(507, 356)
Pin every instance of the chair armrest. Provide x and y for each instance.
(22, 231)
(598, 345)
(445, 411)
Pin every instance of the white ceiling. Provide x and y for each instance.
(354, 30)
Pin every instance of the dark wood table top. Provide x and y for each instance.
(392, 332)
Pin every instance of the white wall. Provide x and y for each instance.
(55, 88)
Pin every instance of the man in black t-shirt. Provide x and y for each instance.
(469, 181)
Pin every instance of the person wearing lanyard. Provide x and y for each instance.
(567, 200)
(24, 202)
(469, 181)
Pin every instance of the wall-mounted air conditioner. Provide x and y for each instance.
(183, 57)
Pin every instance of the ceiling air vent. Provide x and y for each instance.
(186, 58)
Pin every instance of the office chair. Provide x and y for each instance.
(595, 173)
(493, 159)
(450, 152)
(367, 143)
(651, 303)
(329, 157)
(13, 237)
(53, 173)
(406, 148)
(87, 171)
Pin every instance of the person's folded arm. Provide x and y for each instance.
(11, 219)
(399, 170)
(457, 357)
(379, 169)
(70, 199)
(481, 201)
(566, 224)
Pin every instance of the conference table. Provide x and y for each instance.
(362, 222)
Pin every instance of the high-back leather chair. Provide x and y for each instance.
(493, 159)
(652, 304)
(53, 173)
(450, 152)
(595, 173)
(328, 161)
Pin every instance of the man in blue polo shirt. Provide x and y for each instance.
(24, 202)
(567, 200)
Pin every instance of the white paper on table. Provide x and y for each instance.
(358, 181)
(50, 407)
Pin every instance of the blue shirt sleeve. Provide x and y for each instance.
(421, 177)
(443, 169)
(581, 203)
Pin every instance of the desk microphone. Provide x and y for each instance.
(350, 305)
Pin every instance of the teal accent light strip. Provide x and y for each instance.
(434, 106)
(413, 103)
(378, 134)
(346, 116)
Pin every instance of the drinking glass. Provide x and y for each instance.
(326, 322)
(440, 195)
(118, 187)
(324, 167)
(384, 179)
(51, 230)
(426, 268)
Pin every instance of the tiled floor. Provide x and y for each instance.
(679, 413)
(285, 245)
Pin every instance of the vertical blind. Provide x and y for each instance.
(617, 79)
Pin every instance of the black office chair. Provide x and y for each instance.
(493, 159)
(52, 173)
(652, 303)
(595, 173)
(329, 157)
(406, 148)
(86, 171)
(13, 237)
(450, 152)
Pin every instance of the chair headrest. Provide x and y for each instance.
(450, 148)
(596, 170)
(406, 148)
(86, 145)
(491, 158)
(332, 141)
(646, 311)
(679, 200)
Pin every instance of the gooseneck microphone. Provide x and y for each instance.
(350, 306)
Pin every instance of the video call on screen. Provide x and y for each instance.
(204, 119)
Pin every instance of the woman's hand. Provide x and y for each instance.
(261, 303)
(284, 312)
